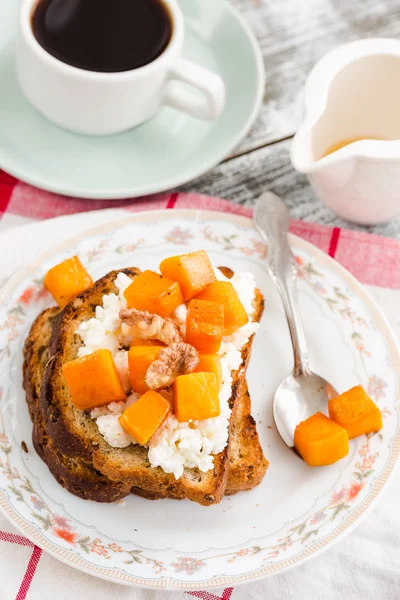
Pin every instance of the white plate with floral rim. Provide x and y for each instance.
(297, 511)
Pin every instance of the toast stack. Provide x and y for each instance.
(78, 456)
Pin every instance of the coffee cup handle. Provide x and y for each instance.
(207, 106)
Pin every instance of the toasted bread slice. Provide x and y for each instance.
(247, 465)
(76, 474)
(75, 435)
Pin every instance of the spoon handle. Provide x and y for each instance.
(272, 221)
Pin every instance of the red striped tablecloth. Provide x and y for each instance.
(371, 258)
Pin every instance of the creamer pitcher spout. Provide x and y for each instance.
(303, 152)
(315, 146)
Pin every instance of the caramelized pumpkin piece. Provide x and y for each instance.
(139, 360)
(142, 419)
(155, 293)
(93, 380)
(224, 293)
(320, 441)
(210, 363)
(205, 325)
(66, 280)
(196, 397)
(356, 412)
(192, 271)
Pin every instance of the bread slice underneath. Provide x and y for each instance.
(76, 474)
(247, 465)
(73, 435)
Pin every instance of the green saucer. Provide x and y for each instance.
(167, 151)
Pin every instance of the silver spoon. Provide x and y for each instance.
(302, 393)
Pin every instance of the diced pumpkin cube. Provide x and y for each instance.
(224, 293)
(205, 325)
(155, 293)
(210, 363)
(142, 419)
(320, 441)
(66, 280)
(192, 271)
(93, 380)
(356, 412)
(196, 397)
(139, 360)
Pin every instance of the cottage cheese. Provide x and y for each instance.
(112, 431)
(121, 362)
(107, 420)
(245, 285)
(240, 337)
(115, 408)
(219, 275)
(105, 330)
(175, 446)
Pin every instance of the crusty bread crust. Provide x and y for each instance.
(247, 464)
(77, 475)
(73, 432)
(70, 443)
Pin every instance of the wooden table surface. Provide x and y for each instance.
(293, 36)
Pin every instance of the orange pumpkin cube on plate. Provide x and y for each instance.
(320, 441)
(66, 280)
(93, 380)
(356, 412)
(155, 293)
(224, 293)
(196, 397)
(210, 363)
(142, 419)
(139, 360)
(205, 325)
(192, 271)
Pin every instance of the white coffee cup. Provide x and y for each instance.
(103, 103)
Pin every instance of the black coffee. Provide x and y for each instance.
(103, 35)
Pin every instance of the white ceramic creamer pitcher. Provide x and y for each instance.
(353, 93)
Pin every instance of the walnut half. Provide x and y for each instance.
(150, 327)
(177, 359)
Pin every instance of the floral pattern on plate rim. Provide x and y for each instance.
(341, 501)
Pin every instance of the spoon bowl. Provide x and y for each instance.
(298, 398)
(302, 393)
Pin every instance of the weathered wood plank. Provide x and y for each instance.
(294, 35)
(244, 178)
